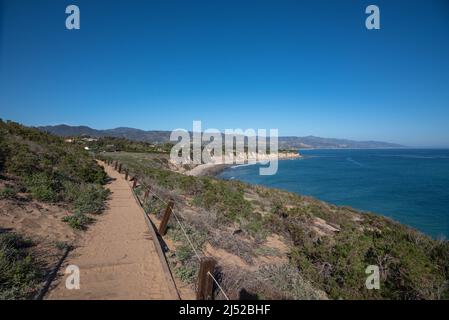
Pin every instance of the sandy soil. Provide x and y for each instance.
(208, 169)
(40, 222)
(116, 256)
(275, 254)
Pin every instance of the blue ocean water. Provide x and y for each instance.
(411, 186)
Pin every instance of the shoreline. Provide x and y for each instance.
(209, 170)
(213, 169)
(395, 209)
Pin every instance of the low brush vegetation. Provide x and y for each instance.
(330, 247)
(36, 166)
(19, 272)
(51, 170)
(7, 193)
(78, 221)
(114, 144)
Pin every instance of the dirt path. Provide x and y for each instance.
(117, 257)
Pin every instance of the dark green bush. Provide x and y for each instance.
(52, 170)
(78, 221)
(78, 169)
(7, 193)
(19, 272)
(41, 187)
(90, 199)
(227, 199)
(184, 253)
(186, 272)
(121, 144)
(3, 147)
(21, 162)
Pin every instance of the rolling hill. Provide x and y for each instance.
(154, 136)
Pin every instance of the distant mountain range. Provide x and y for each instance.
(154, 136)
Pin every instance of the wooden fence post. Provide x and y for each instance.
(126, 174)
(134, 182)
(147, 193)
(205, 284)
(115, 166)
(120, 168)
(164, 222)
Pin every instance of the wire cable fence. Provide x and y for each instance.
(198, 253)
(189, 240)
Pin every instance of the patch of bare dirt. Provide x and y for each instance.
(322, 228)
(272, 252)
(40, 222)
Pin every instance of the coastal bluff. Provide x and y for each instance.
(217, 164)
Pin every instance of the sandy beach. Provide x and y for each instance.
(213, 169)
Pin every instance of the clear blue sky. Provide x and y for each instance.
(305, 67)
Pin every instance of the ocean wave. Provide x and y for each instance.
(243, 165)
(355, 162)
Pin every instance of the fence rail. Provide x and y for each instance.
(207, 265)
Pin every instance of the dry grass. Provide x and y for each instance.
(274, 282)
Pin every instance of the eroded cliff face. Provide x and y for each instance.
(245, 157)
(214, 165)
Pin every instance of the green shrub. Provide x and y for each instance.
(196, 235)
(21, 162)
(70, 191)
(90, 199)
(41, 187)
(7, 193)
(80, 168)
(51, 169)
(61, 245)
(3, 147)
(19, 272)
(184, 253)
(186, 272)
(226, 198)
(78, 221)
